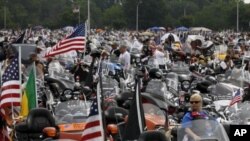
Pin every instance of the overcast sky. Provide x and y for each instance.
(247, 1)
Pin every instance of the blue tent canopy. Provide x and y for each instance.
(181, 28)
(155, 28)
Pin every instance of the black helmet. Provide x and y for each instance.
(155, 73)
(95, 53)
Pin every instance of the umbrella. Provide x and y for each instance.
(162, 28)
(182, 28)
(39, 27)
(191, 38)
(198, 29)
(68, 28)
(147, 33)
(155, 28)
(164, 37)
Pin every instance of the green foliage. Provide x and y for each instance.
(113, 17)
(117, 14)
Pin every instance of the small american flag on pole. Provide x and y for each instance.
(236, 97)
(11, 92)
(94, 128)
(75, 41)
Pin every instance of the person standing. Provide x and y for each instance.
(124, 57)
(115, 51)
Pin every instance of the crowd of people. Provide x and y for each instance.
(218, 50)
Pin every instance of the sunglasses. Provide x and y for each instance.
(194, 102)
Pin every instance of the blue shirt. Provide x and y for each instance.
(188, 118)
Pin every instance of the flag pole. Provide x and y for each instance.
(100, 96)
(20, 68)
(1, 81)
(86, 38)
(34, 69)
(20, 78)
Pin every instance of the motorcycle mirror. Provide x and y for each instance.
(76, 93)
(119, 115)
(112, 128)
(50, 131)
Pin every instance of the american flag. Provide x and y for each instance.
(75, 41)
(236, 97)
(11, 92)
(94, 129)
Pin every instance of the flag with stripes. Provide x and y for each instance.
(11, 87)
(236, 97)
(75, 41)
(94, 128)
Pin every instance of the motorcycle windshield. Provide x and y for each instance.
(238, 114)
(156, 62)
(206, 130)
(66, 78)
(110, 67)
(223, 91)
(158, 90)
(72, 115)
(240, 77)
(223, 94)
(180, 68)
(109, 87)
(172, 82)
(62, 76)
(154, 115)
(155, 87)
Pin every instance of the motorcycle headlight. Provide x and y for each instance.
(138, 60)
(68, 94)
(186, 84)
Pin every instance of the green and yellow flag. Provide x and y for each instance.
(29, 100)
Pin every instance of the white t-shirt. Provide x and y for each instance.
(124, 59)
(158, 54)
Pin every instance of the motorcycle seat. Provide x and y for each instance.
(22, 127)
(36, 121)
(111, 116)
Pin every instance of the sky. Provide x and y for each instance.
(247, 1)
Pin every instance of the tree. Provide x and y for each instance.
(187, 21)
(151, 13)
(114, 17)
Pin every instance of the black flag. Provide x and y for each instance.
(136, 119)
(20, 39)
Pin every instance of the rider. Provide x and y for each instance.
(195, 114)
(154, 50)
(124, 57)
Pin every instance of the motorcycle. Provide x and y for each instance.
(238, 115)
(155, 121)
(70, 117)
(205, 130)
